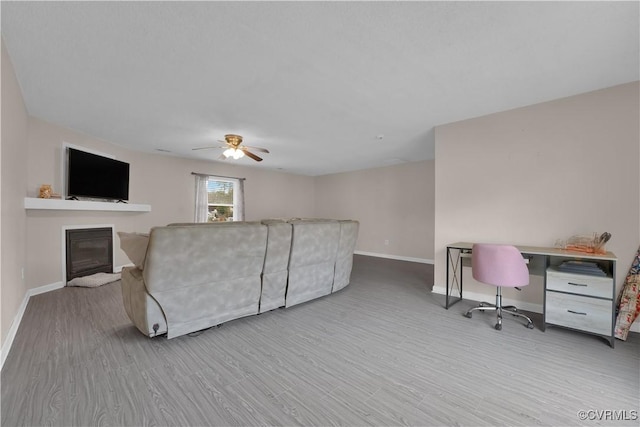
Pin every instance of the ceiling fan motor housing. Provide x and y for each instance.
(232, 139)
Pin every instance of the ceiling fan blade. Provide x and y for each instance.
(204, 148)
(250, 154)
(222, 157)
(262, 150)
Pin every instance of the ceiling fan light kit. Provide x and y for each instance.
(235, 149)
(233, 152)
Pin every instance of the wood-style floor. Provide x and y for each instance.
(381, 352)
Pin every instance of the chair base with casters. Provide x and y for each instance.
(499, 309)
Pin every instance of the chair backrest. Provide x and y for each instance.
(499, 265)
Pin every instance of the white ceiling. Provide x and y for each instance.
(317, 83)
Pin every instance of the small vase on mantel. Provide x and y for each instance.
(45, 191)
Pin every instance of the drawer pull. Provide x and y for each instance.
(577, 284)
(577, 312)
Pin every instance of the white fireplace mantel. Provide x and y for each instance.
(82, 205)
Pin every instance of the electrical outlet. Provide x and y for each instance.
(22, 272)
(386, 242)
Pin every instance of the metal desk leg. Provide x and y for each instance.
(454, 263)
(544, 293)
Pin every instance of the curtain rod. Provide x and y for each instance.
(217, 176)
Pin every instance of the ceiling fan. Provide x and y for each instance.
(235, 149)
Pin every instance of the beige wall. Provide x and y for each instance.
(376, 197)
(544, 172)
(393, 203)
(387, 211)
(13, 186)
(162, 181)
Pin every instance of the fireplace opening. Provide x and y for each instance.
(89, 251)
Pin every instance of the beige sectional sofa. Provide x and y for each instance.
(194, 276)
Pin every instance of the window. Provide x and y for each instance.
(219, 198)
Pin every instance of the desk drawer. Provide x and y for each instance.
(579, 312)
(580, 284)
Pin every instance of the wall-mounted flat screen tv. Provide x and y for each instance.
(96, 177)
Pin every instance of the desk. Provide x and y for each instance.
(562, 295)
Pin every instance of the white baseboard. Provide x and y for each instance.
(46, 288)
(6, 346)
(396, 257)
(534, 308)
(18, 318)
(8, 342)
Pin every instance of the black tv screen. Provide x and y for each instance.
(96, 177)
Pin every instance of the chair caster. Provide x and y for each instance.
(529, 325)
(498, 327)
(468, 315)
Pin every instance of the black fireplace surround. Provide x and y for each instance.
(89, 251)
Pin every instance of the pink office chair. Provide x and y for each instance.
(502, 266)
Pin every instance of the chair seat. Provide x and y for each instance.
(500, 266)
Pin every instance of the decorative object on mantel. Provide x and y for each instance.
(629, 300)
(45, 191)
(94, 280)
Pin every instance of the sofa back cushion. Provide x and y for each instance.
(314, 246)
(344, 258)
(276, 265)
(203, 275)
(196, 254)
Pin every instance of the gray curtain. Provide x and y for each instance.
(201, 210)
(240, 202)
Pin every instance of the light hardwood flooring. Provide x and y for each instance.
(383, 352)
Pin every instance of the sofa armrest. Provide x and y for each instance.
(142, 308)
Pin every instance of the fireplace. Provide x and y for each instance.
(89, 251)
